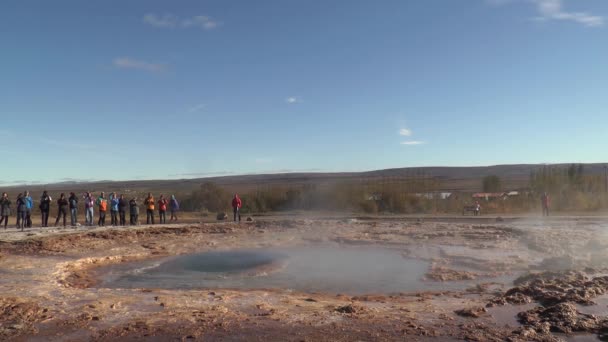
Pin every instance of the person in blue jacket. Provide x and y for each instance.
(29, 205)
(174, 206)
(114, 203)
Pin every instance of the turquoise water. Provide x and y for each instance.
(310, 269)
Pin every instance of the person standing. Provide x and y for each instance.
(546, 203)
(114, 208)
(134, 212)
(122, 209)
(45, 207)
(89, 204)
(73, 200)
(29, 205)
(21, 209)
(236, 207)
(162, 209)
(62, 209)
(102, 204)
(174, 205)
(5, 209)
(149, 203)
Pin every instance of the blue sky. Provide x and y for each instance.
(178, 89)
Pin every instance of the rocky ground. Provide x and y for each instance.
(517, 280)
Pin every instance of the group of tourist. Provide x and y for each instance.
(116, 204)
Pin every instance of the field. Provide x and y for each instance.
(518, 279)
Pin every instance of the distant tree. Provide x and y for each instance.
(491, 183)
(209, 196)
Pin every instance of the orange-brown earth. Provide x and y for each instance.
(49, 288)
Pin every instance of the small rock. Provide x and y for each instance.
(474, 312)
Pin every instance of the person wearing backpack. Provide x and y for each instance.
(114, 202)
(29, 205)
(21, 210)
(162, 209)
(73, 200)
(122, 209)
(62, 209)
(134, 212)
(45, 207)
(102, 203)
(149, 203)
(174, 208)
(5, 209)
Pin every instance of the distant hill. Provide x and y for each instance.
(451, 179)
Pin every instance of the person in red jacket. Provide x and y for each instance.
(546, 203)
(236, 207)
(162, 209)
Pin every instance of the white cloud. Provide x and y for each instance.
(405, 132)
(197, 108)
(165, 20)
(293, 99)
(130, 63)
(413, 143)
(169, 20)
(554, 10)
(201, 21)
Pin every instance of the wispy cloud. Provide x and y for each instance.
(130, 63)
(166, 20)
(293, 99)
(413, 143)
(200, 21)
(169, 20)
(554, 10)
(405, 132)
(197, 108)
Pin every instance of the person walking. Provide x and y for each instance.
(89, 204)
(236, 207)
(5, 209)
(122, 209)
(102, 204)
(546, 203)
(62, 209)
(149, 203)
(73, 200)
(45, 207)
(21, 210)
(29, 205)
(174, 205)
(162, 209)
(133, 212)
(114, 201)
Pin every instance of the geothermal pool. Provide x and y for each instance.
(349, 270)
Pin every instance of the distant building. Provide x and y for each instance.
(489, 195)
(434, 195)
